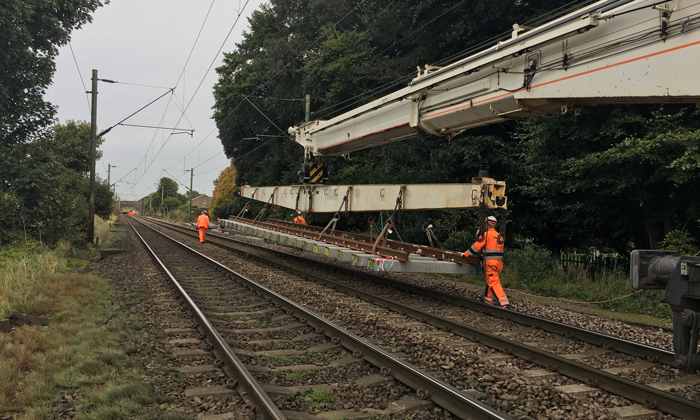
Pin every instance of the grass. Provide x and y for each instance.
(318, 399)
(535, 271)
(79, 352)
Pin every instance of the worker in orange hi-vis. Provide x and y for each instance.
(299, 220)
(493, 263)
(203, 225)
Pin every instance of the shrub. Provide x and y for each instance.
(680, 241)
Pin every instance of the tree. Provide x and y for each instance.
(225, 193)
(41, 168)
(614, 175)
(166, 188)
(30, 33)
(47, 187)
(171, 203)
(104, 199)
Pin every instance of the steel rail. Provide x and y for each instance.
(659, 400)
(632, 348)
(267, 410)
(426, 386)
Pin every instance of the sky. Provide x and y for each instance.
(147, 43)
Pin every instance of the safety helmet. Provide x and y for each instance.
(298, 212)
(205, 212)
(491, 219)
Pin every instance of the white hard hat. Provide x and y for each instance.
(298, 212)
(491, 219)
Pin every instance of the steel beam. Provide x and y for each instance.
(382, 197)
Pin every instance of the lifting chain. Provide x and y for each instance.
(501, 228)
(482, 213)
(247, 205)
(271, 201)
(428, 229)
(311, 198)
(398, 207)
(336, 216)
(296, 207)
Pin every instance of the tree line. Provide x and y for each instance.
(614, 177)
(44, 166)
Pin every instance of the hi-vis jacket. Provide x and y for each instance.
(203, 221)
(489, 246)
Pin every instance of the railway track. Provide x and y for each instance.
(285, 360)
(597, 361)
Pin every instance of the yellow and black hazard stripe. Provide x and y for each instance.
(318, 173)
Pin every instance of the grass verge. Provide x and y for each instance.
(77, 359)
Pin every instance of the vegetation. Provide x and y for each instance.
(225, 193)
(79, 353)
(614, 178)
(43, 166)
(318, 399)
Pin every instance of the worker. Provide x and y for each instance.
(203, 225)
(493, 263)
(299, 220)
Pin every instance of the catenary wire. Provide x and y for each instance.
(240, 13)
(75, 60)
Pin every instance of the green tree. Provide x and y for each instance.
(172, 203)
(614, 175)
(31, 31)
(166, 188)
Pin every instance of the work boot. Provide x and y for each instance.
(506, 306)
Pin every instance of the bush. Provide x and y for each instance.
(529, 265)
(459, 241)
(680, 241)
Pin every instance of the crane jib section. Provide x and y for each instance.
(382, 197)
(610, 52)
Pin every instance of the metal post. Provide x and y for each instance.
(189, 216)
(308, 107)
(93, 137)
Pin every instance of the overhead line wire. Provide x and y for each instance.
(75, 60)
(195, 42)
(461, 54)
(294, 59)
(240, 13)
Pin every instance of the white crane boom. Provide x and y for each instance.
(611, 52)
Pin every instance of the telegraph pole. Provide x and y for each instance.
(189, 217)
(308, 107)
(93, 137)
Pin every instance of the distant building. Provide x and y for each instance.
(202, 201)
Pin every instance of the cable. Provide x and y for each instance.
(217, 168)
(140, 109)
(195, 43)
(277, 99)
(294, 59)
(195, 148)
(424, 25)
(240, 13)
(87, 98)
(263, 114)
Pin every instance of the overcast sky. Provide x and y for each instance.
(147, 42)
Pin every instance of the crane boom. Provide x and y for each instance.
(611, 52)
